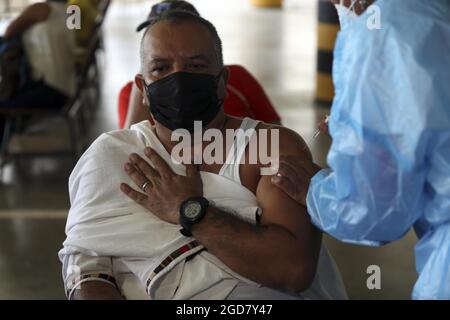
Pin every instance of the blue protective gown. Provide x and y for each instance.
(390, 123)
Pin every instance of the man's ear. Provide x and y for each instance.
(139, 81)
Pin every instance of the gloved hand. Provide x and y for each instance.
(358, 6)
(294, 176)
(323, 126)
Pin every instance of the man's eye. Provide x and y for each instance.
(158, 69)
(197, 66)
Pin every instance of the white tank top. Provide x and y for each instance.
(50, 49)
(230, 169)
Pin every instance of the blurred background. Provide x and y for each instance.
(287, 45)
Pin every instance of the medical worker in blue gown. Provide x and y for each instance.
(390, 124)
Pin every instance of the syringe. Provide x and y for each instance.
(317, 132)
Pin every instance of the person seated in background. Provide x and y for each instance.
(245, 96)
(253, 241)
(48, 46)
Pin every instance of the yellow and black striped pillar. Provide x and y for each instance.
(328, 27)
(267, 3)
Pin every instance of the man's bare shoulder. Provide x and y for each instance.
(290, 142)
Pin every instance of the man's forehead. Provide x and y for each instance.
(186, 39)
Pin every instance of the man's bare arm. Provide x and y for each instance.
(96, 290)
(281, 251)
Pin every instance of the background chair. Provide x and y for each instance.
(23, 125)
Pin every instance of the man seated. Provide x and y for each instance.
(242, 238)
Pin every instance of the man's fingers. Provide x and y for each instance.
(138, 178)
(133, 194)
(144, 167)
(160, 165)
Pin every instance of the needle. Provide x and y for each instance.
(317, 132)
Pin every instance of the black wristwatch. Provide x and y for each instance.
(192, 211)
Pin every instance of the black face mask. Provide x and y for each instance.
(181, 98)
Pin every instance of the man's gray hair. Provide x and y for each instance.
(181, 16)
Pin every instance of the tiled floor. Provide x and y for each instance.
(278, 47)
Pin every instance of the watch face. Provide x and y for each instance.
(192, 209)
